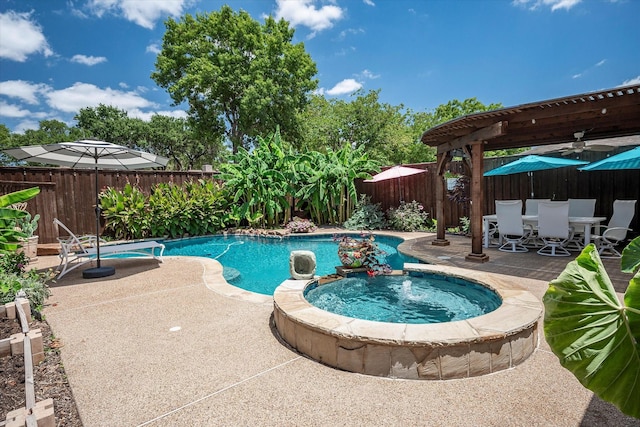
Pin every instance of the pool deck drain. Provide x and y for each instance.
(477, 346)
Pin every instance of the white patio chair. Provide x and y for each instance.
(615, 231)
(553, 228)
(513, 231)
(531, 208)
(580, 208)
(78, 250)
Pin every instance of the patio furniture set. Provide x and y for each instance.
(555, 228)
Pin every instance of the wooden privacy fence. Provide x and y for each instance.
(555, 184)
(69, 195)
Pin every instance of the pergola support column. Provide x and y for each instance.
(477, 203)
(440, 183)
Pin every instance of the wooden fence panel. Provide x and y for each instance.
(70, 194)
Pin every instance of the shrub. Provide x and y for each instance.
(299, 225)
(126, 212)
(14, 278)
(194, 209)
(408, 217)
(366, 216)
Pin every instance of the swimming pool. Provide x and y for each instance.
(260, 264)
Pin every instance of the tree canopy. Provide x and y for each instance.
(238, 77)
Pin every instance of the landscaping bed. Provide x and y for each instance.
(50, 379)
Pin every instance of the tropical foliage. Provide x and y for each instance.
(594, 335)
(265, 184)
(192, 209)
(9, 234)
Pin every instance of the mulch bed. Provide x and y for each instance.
(49, 377)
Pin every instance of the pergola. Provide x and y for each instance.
(602, 114)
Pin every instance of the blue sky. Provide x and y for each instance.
(59, 56)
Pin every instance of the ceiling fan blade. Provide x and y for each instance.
(599, 147)
(568, 152)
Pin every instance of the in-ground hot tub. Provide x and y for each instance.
(476, 346)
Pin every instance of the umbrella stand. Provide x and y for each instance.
(99, 270)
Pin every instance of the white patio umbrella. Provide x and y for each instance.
(395, 172)
(90, 154)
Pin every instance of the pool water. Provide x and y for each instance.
(404, 299)
(260, 264)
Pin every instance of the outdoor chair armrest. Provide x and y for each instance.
(610, 230)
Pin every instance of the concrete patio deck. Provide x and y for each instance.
(172, 344)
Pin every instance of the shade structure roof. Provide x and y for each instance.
(533, 163)
(88, 154)
(395, 172)
(625, 160)
(602, 114)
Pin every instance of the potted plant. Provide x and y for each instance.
(362, 253)
(28, 242)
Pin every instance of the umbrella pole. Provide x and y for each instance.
(97, 220)
(99, 271)
(531, 178)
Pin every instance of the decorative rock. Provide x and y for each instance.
(302, 265)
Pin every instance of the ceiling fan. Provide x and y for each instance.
(578, 146)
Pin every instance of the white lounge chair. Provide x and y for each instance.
(76, 251)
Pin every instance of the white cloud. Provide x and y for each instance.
(146, 115)
(25, 91)
(141, 12)
(26, 125)
(553, 4)
(13, 111)
(601, 63)
(304, 12)
(88, 60)
(82, 95)
(633, 81)
(366, 74)
(154, 48)
(345, 33)
(21, 37)
(368, 2)
(344, 87)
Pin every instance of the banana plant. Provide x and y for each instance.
(9, 236)
(594, 335)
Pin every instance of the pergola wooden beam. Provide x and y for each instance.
(476, 137)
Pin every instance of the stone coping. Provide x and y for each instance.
(494, 341)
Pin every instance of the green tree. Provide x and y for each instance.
(235, 74)
(108, 123)
(175, 139)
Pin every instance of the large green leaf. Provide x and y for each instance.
(595, 336)
(631, 256)
(18, 196)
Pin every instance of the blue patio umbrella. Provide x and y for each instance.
(625, 160)
(531, 164)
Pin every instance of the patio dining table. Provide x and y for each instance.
(587, 221)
